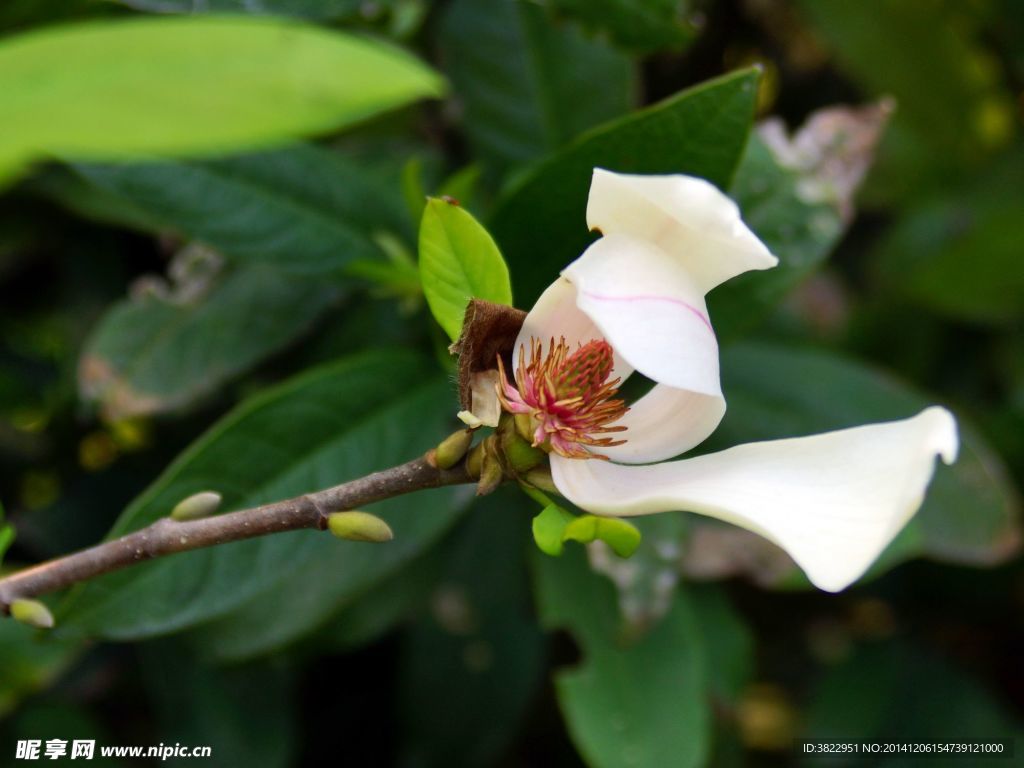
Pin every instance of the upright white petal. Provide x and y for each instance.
(555, 316)
(686, 216)
(833, 501)
(642, 301)
(647, 307)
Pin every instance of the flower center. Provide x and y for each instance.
(566, 398)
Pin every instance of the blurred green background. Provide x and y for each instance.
(144, 301)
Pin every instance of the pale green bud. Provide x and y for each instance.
(32, 612)
(452, 449)
(202, 504)
(359, 526)
(540, 477)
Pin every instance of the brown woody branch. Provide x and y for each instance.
(167, 536)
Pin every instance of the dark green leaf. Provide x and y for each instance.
(642, 706)
(30, 663)
(329, 425)
(528, 85)
(640, 25)
(960, 254)
(800, 233)
(479, 649)
(887, 50)
(199, 704)
(304, 208)
(458, 262)
(157, 353)
(894, 692)
(141, 87)
(541, 224)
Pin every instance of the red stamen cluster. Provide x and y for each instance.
(567, 396)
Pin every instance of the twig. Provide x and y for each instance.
(167, 536)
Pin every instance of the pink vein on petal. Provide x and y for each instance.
(652, 297)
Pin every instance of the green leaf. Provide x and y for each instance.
(701, 131)
(527, 83)
(332, 424)
(157, 353)
(30, 661)
(621, 536)
(886, 50)
(196, 703)
(177, 86)
(323, 10)
(549, 529)
(894, 692)
(970, 514)
(799, 232)
(478, 648)
(638, 706)
(7, 534)
(960, 254)
(643, 26)
(458, 262)
(647, 582)
(306, 209)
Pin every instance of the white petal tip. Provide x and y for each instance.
(945, 440)
(686, 216)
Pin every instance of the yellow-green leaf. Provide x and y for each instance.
(459, 261)
(180, 86)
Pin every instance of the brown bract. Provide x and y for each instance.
(488, 330)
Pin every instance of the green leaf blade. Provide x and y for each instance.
(332, 424)
(514, 69)
(196, 85)
(154, 354)
(459, 261)
(306, 209)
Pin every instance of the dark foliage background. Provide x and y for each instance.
(451, 648)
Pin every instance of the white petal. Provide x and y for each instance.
(665, 423)
(686, 216)
(833, 501)
(555, 315)
(644, 303)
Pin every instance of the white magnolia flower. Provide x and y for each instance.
(634, 301)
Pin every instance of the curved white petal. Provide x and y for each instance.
(833, 501)
(555, 315)
(665, 423)
(644, 303)
(686, 216)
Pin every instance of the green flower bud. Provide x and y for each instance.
(520, 455)
(491, 472)
(202, 504)
(540, 477)
(32, 612)
(359, 526)
(451, 450)
(474, 461)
